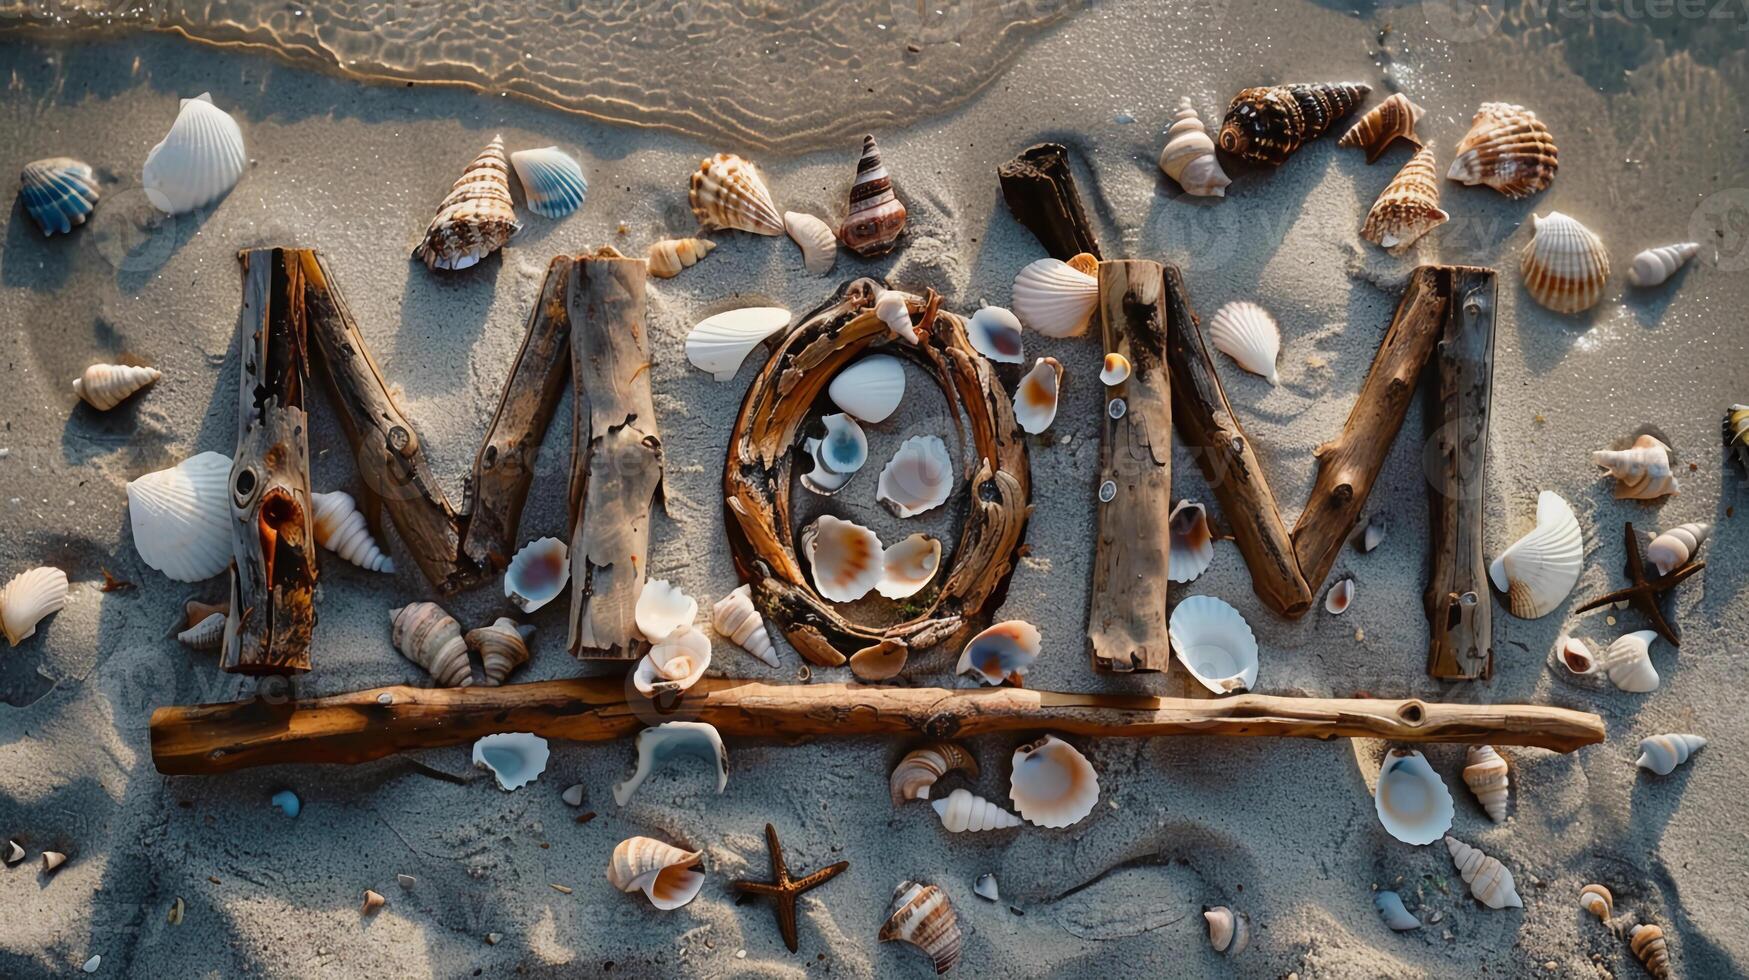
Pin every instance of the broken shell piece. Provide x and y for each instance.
(1004, 652)
(880, 661)
(537, 573)
(821, 479)
(1412, 801)
(923, 916)
(1565, 265)
(1247, 333)
(1189, 155)
(573, 795)
(870, 389)
(728, 192)
(1229, 931)
(674, 663)
(1628, 662)
(1340, 597)
(876, 215)
(1116, 370)
(663, 872)
(372, 902)
(1384, 124)
(1652, 950)
(515, 758)
(1485, 773)
(181, 517)
(29, 598)
(908, 566)
(1391, 908)
(816, 240)
(1507, 148)
(1408, 207)
(1035, 398)
(1053, 784)
(178, 909)
(1374, 534)
(104, 386)
(1673, 548)
(918, 478)
(1054, 298)
(198, 161)
(995, 333)
(406, 881)
(58, 193)
(844, 449)
(14, 852)
(1488, 879)
(986, 888)
(963, 811)
(552, 182)
(845, 557)
(1191, 543)
(53, 860)
(1540, 569)
(1655, 265)
(477, 217)
(431, 638)
(670, 256)
(502, 646)
(894, 310)
(287, 802)
(92, 964)
(341, 529)
(735, 617)
(1663, 753)
(1642, 471)
(1214, 643)
(720, 343)
(672, 740)
(661, 609)
(1597, 900)
(922, 767)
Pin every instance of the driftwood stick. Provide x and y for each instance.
(1349, 464)
(616, 460)
(1126, 616)
(273, 577)
(1207, 424)
(1039, 187)
(365, 725)
(1459, 615)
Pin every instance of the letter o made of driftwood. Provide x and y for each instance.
(995, 486)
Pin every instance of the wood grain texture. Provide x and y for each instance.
(1039, 186)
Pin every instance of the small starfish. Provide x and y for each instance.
(1646, 594)
(785, 890)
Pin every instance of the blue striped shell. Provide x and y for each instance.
(58, 193)
(552, 182)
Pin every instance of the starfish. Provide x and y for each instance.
(785, 890)
(1646, 594)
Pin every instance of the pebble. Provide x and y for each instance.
(288, 802)
(740, 954)
(92, 964)
(493, 938)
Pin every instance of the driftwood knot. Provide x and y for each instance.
(941, 725)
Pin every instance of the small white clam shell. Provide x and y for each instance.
(552, 181)
(1541, 568)
(104, 386)
(995, 333)
(342, 529)
(870, 389)
(1054, 298)
(672, 740)
(1390, 906)
(674, 663)
(1053, 784)
(1654, 266)
(1004, 651)
(1628, 662)
(734, 616)
(537, 573)
(895, 311)
(58, 193)
(663, 872)
(815, 238)
(1229, 931)
(963, 811)
(1191, 543)
(908, 566)
(1035, 398)
(1565, 264)
(720, 343)
(1412, 802)
(1340, 597)
(918, 478)
(1489, 880)
(181, 517)
(30, 597)
(1115, 371)
(846, 558)
(515, 758)
(1247, 333)
(1673, 548)
(1663, 753)
(662, 609)
(1214, 643)
(198, 161)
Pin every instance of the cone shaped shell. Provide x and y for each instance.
(477, 217)
(28, 598)
(514, 758)
(1663, 753)
(58, 193)
(674, 663)
(1192, 543)
(995, 333)
(1507, 148)
(1266, 125)
(1189, 155)
(895, 311)
(1656, 265)
(1540, 569)
(923, 916)
(1247, 333)
(1035, 398)
(1412, 802)
(1489, 881)
(661, 871)
(1004, 651)
(1229, 931)
(819, 244)
(1392, 910)
(720, 343)
(1485, 773)
(1673, 548)
(104, 386)
(197, 162)
(1384, 124)
(673, 740)
(908, 566)
(963, 811)
(552, 182)
(871, 389)
(1409, 206)
(728, 192)
(670, 255)
(342, 529)
(1053, 784)
(537, 573)
(1214, 643)
(431, 638)
(1628, 662)
(735, 618)
(1651, 949)
(662, 609)
(1054, 298)
(1565, 265)
(502, 646)
(876, 216)
(181, 517)
(846, 558)
(918, 478)
(919, 770)
(1641, 472)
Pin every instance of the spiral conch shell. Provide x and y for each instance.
(1266, 125)
(735, 617)
(1384, 124)
(1642, 471)
(1488, 879)
(1409, 206)
(727, 192)
(1597, 900)
(477, 218)
(431, 638)
(341, 529)
(670, 255)
(104, 386)
(1507, 148)
(877, 216)
(1229, 931)
(923, 916)
(922, 766)
(30, 597)
(502, 646)
(663, 872)
(1663, 753)
(1565, 264)
(1649, 945)
(1656, 265)
(1485, 773)
(1736, 430)
(1673, 548)
(1189, 155)
(674, 663)
(963, 811)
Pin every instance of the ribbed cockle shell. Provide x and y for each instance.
(477, 217)
(58, 193)
(1507, 148)
(431, 638)
(728, 192)
(30, 597)
(877, 216)
(1384, 124)
(1266, 125)
(1409, 206)
(104, 386)
(1565, 265)
(1189, 155)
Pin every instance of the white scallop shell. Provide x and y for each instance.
(672, 740)
(181, 517)
(1247, 333)
(1214, 643)
(908, 566)
(1642, 471)
(28, 598)
(662, 609)
(1656, 265)
(1541, 568)
(1663, 753)
(1115, 371)
(341, 529)
(963, 811)
(1003, 652)
(552, 181)
(1189, 155)
(1398, 917)
(674, 663)
(1229, 931)
(1191, 543)
(198, 161)
(1054, 298)
(846, 558)
(819, 244)
(1486, 774)
(515, 758)
(1565, 265)
(870, 389)
(735, 618)
(1053, 784)
(1628, 662)
(661, 871)
(537, 573)
(1035, 398)
(720, 343)
(895, 311)
(1673, 548)
(104, 386)
(995, 333)
(58, 193)
(918, 478)
(1488, 879)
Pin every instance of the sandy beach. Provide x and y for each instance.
(1650, 117)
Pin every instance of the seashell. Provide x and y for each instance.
(986, 888)
(1374, 535)
(1642, 471)
(1054, 298)
(286, 802)
(670, 255)
(1266, 125)
(923, 916)
(58, 193)
(1247, 333)
(198, 161)
(663, 872)
(662, 609)
(573, 795)
(206, 635)
(1488, 879)
(995, 333)
(735, 618)
(1115, 371)
(341, 529)
(720, 343)
(921, 767)
(1652, 950)
(476, 218)
(846, 558)
(1390, 120)
(876, 214)
(895, 311)
(819, 244)
(1053, 784)
(674, 663)
(1214, 643)
(1736, 428)
(552, 182)
(908, 566)
(672, 740)
(918, 478)
(1229, 931)
(1390, 906)
(838, 456)
(1412, 801)
(30, 597)
(53, 860)
(1628, 662)
(1003, 652)
(502, 646)
(1486, 776)
(1340, 597)
(372, 902)
(537, 573)
(104, 386)
(1673, 548)
(431, 638)
(1035, 398)
(1655, 266)
(963, 811)
(1663, 753)
(1191, 542)
(1565, 265)
(515, 758)
(1084, 263)
(181, 517)
(727, 192)
(1408, 207)
(1597, 900)
(1540, 569)
(1507, 148)
(1575, 655)
(1189, 155)
(870, 389)
(14, 852)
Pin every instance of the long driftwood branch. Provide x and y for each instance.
(365, 725)
(273, 577)
(1126, 615)
(1039, 187)
(1206, 422)
(1459, 615)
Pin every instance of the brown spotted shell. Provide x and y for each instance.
(476, 219)
(1409, 206)
(1267, 124)
(1384, 124)
(877, 216)
(1507, 148)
